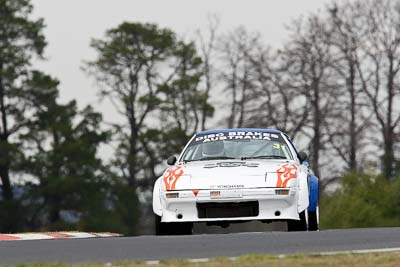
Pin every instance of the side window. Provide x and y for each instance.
(198, 152)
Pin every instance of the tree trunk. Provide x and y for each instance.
(54, 200)
(5, 179)
(133, 140)
(316, 142)
(4, 155)
(353, 125)
(232, 116)
(54, 213)
(388, 156)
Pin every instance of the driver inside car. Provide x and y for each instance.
(214, 149)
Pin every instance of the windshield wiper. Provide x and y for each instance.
(265, 157)
(213, 158)
(208, 158)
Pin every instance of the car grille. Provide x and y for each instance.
(227, 209)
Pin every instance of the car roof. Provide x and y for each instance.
(240, 130)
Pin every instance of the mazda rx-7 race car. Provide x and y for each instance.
(236, 175)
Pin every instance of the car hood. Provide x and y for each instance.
(230, 174)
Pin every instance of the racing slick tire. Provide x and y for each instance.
(313, 221)
(297, 225)
(175, 228)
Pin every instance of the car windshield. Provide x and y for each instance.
(237, 145)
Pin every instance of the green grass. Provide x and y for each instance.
(354, 260)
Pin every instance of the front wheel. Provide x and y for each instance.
(174, 228)
(311, 223)
(298, 225)
(313, 220)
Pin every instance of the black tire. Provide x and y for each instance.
(297, 225)
(313, 221)
(182, 228)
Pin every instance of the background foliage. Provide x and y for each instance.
(333, 86)
(362, 201)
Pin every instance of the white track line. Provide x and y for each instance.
(199, 260)
(281, 256)
(359, 251)
(152, 262)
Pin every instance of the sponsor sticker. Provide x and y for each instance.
(226, 194)
(238, 135)
(227, 186)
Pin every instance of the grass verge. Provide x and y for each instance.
(353, 260)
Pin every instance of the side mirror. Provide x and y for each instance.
(171, 160)
(303, 156)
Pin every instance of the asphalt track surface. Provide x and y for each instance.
(143, 248)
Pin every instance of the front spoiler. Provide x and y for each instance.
(271, 205)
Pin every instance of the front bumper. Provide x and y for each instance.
(250, 204)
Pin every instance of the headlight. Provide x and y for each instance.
(284, 192)
(172, 195)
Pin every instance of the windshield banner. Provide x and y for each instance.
(240, 136)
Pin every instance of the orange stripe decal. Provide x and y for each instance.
(285, 174)
(171, 176)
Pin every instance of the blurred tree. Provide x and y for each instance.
(181, 111)
(21, 39)
(308, 57)
(183, 102)
(182, 108)
(348, 128)
(275, 102)
(128, 67)
(236, 72)
(207, 43)
(62, 144)
(381, 76)
(153, 81)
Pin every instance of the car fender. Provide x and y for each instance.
(303, 195)
(157, 208)
(313, 184)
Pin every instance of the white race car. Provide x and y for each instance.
(236, 175)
